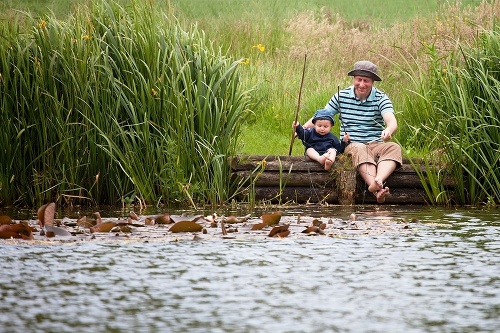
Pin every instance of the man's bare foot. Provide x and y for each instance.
(376, 186)
(328, 164)
(382, 194)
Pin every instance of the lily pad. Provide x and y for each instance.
(186, 226)
(278, 230)
(46, 214)
(273, 218)
(103, 227)
(4, 219)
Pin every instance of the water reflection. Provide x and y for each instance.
(444, 277)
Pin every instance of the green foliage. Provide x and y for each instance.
(114, 103)
(461, 118)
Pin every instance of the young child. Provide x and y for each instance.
(320, 144)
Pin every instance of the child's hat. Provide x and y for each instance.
(323, 115)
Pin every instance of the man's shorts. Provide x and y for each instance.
(374, 153)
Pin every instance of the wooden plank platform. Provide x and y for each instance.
(297, 179)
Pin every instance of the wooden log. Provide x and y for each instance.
(281, 179)
(272, 178)
(300, 163)
(398, 196)
(296, 194)
(304, 195)
(318, 178)
(346, 186)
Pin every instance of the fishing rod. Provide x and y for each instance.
(340, 111)
(298, 105)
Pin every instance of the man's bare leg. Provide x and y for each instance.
(368, 172)
(384, 170)
(375, 176)
(382, 194)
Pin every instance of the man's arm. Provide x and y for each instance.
(309, 123)
(391, 126)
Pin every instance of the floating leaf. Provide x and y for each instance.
(133, 216)
(18, 230)
(185, 226)
(284, 234)
(97, 217)
(276, 230)
(180, 218)
(4, 219)
(259, 226)
(57, 231)
(84, 222)
(46, 214)
(316, 222)
(235, 219)
(163, 219)
(311, 229)
(271, 219)
(121, 228)
(231, 219)
(103, 227)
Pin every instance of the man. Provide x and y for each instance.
(368, 121)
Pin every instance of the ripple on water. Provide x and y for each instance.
(443, 278)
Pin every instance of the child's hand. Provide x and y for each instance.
(295, 124)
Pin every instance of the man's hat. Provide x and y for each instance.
(365, 68)
(323, 115)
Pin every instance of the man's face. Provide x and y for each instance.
(362, 86)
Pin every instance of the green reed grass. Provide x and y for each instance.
(464, 129)
(116, 103)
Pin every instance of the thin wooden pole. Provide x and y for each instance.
(298, 104)
(340, 111)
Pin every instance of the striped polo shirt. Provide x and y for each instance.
(361, 119)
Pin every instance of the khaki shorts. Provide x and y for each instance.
(374, 152)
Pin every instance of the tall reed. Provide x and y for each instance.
(462, 125)
(114, 104)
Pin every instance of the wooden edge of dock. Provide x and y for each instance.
(298, 179)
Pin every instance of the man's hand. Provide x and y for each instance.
(386, 135)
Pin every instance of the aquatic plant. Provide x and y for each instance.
(460, 118)
(115, 104)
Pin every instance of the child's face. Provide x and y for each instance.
(322, 126)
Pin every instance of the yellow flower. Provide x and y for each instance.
(154, 92)
(259, 46)
(245, 61)
(42, 24)
(86, 37)
(73, 40)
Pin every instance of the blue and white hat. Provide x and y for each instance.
(323, 115)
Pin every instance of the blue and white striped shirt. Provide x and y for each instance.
(361, 119)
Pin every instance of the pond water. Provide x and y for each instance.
(444, 276)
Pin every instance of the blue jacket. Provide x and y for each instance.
(321, 143)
